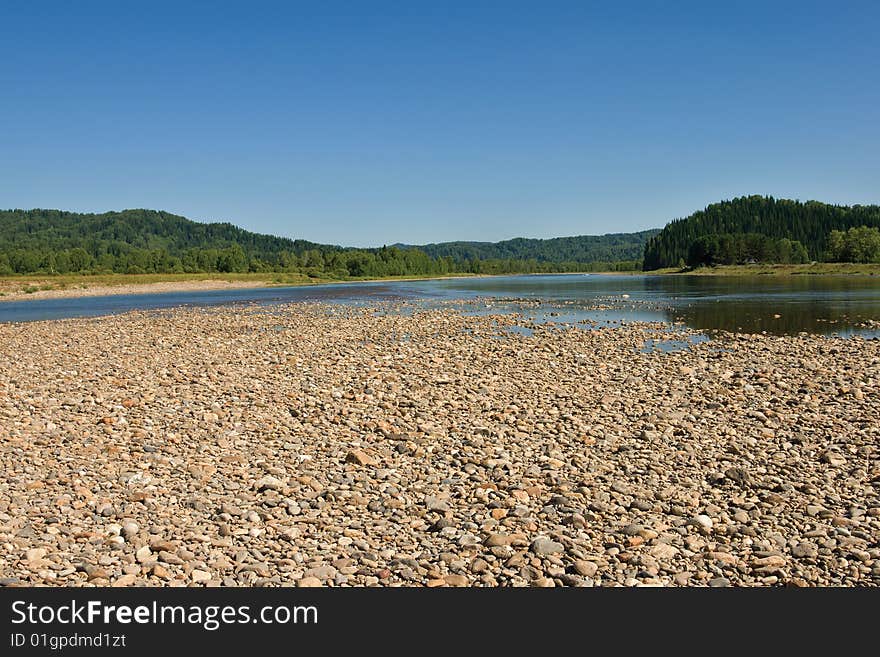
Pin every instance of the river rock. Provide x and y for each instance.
(544, 546)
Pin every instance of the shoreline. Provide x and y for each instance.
(169, 286)
(818, 269)
(69, 287)
(193, 283)
(126, 288)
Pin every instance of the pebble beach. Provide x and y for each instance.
(385, 445)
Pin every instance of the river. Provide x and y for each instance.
(777, 305)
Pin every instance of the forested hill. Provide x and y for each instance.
(53, 230)
(148, 241)
(143, 241)
(809, 223)
(613, 247)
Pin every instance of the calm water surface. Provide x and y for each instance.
(778, 305)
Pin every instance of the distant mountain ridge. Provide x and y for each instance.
(610, 247)
(742, 230)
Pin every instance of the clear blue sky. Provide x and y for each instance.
(377, 122)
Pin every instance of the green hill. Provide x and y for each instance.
(613, 247)
(149, 241)
(133, 240)
(144, 229)
(731, 229)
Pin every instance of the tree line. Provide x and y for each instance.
(861, 244)
(744, 248)
(147, 241)
(809, 225)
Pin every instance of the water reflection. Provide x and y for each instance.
(776, 305)
(756, 316)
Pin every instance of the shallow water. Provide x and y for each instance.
(778, 305)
